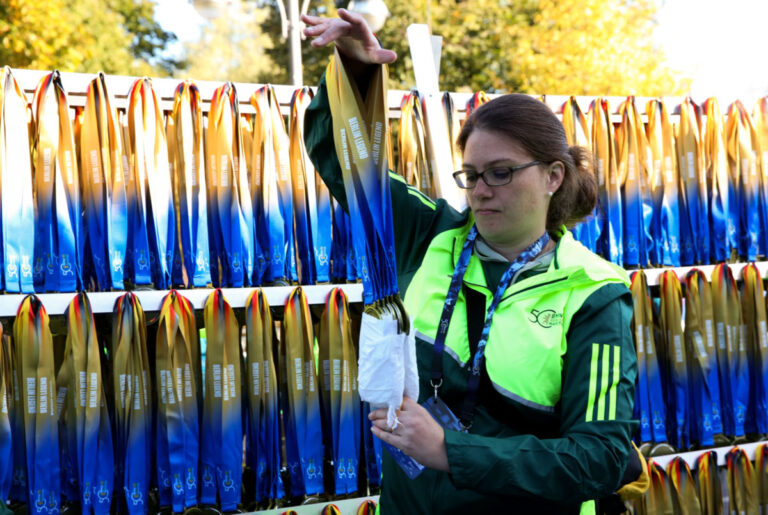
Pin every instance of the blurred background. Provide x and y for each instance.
(554, 47)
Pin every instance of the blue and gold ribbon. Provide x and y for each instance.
(17, 208)
(731, 351)
(303, 177)
(271, 146)
(222, 431)
(577, 133)
(187, 158)
(720, 186)
(338, 388)
(37, 398)
(678, 418)
(682, 480)
(756, 335)
(57, 190)
(132, 390)
(87, 419)
(665, 225)
(231, 226)
(6, 408)
(632, 165)
(177, 433)
(609, 201)
(742, 163)
(650, 404)
(741, 482)
(104, 170)
(150, 190)
(263, 433)
(694, 217)
(300, 403)
(700, 340)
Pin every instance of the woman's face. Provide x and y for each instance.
(509, 217)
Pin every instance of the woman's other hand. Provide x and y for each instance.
(417, 434)
(352, 36)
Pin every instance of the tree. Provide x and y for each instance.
(116, 36)
(233, 48)
(579, 47)
(314, 60)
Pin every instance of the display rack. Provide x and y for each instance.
(76, 85)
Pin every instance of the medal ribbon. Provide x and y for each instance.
(16, 197)
(177, 349)
(454, 127)
(632, 164)
(761, 474)
(708, 482)
(662, 496)
(577, 133)
(609, 203)
(263, 435)
(185, 145)
(57, 191)
(753, 310)
(270, 153)
(301, 411)
(742, 162)
(649, 394)
(34, 358)
(678, 419)
(702, 359)
(665, 226)
(87, 417)
(132, 405)
(731, 350)
(360, 136)
(104, 171)
(760, 139)
(341, 403)
(413, 163)
(436, 376)
(741, 482)
(303, 190)
(233, 227)
(694, 218)
(6, 406)
(475, 101)
(162, 229)
(683, 482)
(222, 454)
(719, 185)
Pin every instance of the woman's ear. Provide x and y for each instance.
(555, 175)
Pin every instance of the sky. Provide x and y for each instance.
(720, 43)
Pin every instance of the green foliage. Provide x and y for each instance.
(115, 36)
(232, 48)
(567, 47)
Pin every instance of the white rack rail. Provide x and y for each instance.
(151, 300)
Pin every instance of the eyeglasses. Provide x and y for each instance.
(495, 176)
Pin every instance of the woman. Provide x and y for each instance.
(549, 408)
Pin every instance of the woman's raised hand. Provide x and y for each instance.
(352, 36)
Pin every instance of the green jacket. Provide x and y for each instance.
(538, 444)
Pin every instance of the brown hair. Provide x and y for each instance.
(534, 125)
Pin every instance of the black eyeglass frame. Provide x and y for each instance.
(512, 170)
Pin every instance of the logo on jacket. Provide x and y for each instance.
(546, 318)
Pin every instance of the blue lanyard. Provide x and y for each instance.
(436, 377)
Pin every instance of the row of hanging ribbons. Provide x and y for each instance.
(701, 490)
(693, 191)
(702, 350)
(140, 419)
(107, 199)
